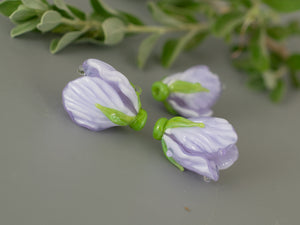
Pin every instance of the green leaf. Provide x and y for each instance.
(186, 87)
(270, 79)
(246, 65)
(61, 5)
(9, 6)
(130, 18)
(246, 3)
(49, 20)
(284, 31)
(295, 79)
(162, 17)
(293, 62)
(35, 4)
(174, 47)
(259, 53)
(71, 11)
(225, 24)
(277, 94)
(101, 9)
(146, 48)
(277, 32)
(114, 31)
(168, 52)
(24, 27)
(77, 12)
(196, 40)
(62, 28)
(22, 13)
(116, 116)
(256, 82)
(58, 44)
(89, 40)
(182, 10)
(284, 6)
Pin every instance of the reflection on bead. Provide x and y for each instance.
(206, 179)
(80, 71)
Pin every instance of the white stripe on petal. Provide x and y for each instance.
(79, 99)
(217, 134)
(115, 79)
(195, 104)
(195, 163)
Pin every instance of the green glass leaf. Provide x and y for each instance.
(58, 44)
(77, 12)
(49, 20)
(160, 16)
(116, 116)
(35, 4)
(277, 94)
(169, 108)
(114, 30)
(293, 62)
(165, 149)
(101, 9)
(174, 47)
(160, 91)
(284, 6)
(159, 128)
(23, 13)
(182, 122)
(187, 87)
(9, 6)
(24, 27)
(226, 23)
(139, 121)
(146, 48)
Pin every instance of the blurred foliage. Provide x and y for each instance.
(252, 28)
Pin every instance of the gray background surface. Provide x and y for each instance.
(53, 172)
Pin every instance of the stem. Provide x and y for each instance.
(277, 48)
(164, 29)
(80, 24)
(131, 28)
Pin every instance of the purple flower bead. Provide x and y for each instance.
(204, 145)
(191, 93)
(103, 98)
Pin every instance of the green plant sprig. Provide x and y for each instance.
(251, 27)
